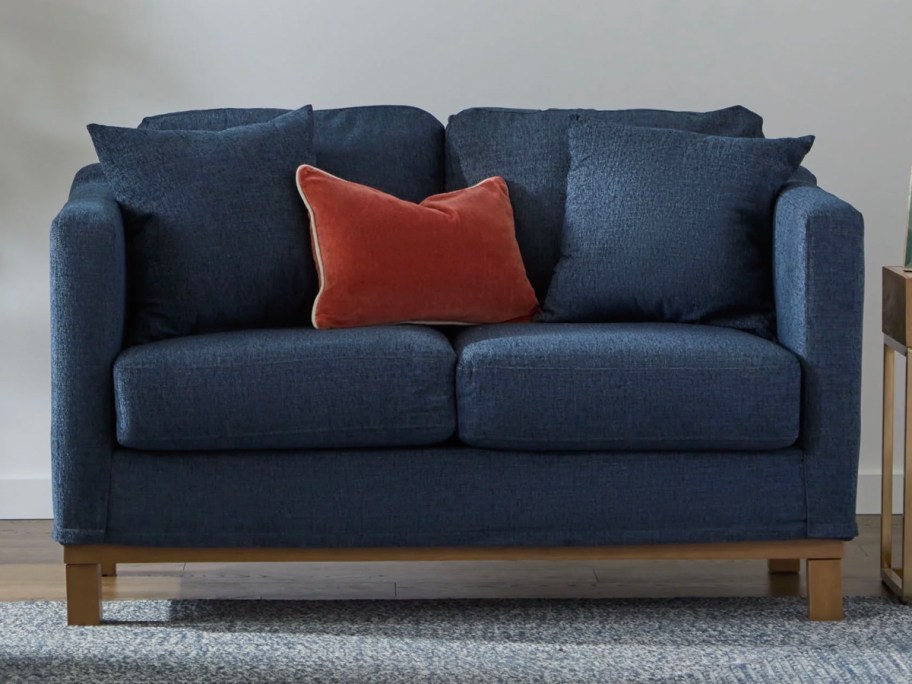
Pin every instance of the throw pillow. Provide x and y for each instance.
(453, 258)
(664, 225)
(216, 237)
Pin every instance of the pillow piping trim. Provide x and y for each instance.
(314, 238)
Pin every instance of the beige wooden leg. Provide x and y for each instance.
(784, 566)
(109, 569)
(83, 583)
(824, 581)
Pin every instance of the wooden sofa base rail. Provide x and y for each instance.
(85, 565)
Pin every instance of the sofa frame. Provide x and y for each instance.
(800, 505)
(86, 564)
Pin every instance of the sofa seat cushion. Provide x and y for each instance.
(289, 388)
(624, 386)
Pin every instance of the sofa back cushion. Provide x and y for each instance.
(393, 148)
(529, 149)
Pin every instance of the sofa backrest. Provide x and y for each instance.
(529, 148)
(405, 151)
(394, 148)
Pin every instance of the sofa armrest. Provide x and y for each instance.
(88, 293)
(818, 254)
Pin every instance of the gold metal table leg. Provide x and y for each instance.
(886, 484)
(906, 593)
(894, 577)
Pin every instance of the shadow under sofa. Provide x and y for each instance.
(512, 441)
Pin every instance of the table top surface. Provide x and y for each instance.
(899, 270)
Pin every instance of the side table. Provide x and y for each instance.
(897, 331)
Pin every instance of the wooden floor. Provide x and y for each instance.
(31, 568)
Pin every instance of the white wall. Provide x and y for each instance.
(838, 68)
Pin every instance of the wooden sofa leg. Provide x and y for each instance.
(784, 566)
(83, 588)
(109, 569)
(824, 582)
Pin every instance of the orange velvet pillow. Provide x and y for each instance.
(451, 259)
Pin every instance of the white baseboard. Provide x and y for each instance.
(22, 499)
(25, 498)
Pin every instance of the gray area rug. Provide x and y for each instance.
(642, 640)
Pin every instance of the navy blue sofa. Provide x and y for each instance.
(608, 440)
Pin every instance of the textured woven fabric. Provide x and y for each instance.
(393, 148)
(529, 149)
(216, 235)
(88, 308)
(634, 386)
(304, 388)
(819, 290)
(452, 496)
(451, 258)
(462, 641)
(664, 225)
